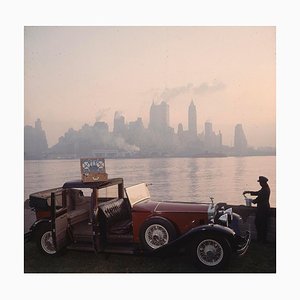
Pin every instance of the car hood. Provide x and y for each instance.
(181, 207)
(171, 206)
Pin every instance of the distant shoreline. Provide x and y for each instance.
(155, 157)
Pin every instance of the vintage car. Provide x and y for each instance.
(104, 217)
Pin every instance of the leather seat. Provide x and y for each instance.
(115, 216)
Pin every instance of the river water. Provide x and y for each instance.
(179, 179)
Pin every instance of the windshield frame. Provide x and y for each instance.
(137, 193)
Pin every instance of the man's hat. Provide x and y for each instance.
(262, 179)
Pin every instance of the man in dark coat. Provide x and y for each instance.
(263, 208)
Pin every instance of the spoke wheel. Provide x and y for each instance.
(47, 243)
(156, 236)
(44, 240)
(156, 232)
(210, 252)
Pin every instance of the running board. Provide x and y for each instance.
(113, 249)
(81, 247)
(80, 239)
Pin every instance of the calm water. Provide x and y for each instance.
(184, 179)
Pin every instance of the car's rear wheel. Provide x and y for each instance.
(211, 252)
(157, 232)
(44, 240)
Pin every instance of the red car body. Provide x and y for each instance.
(184, 216)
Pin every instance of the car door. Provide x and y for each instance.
(59, 221)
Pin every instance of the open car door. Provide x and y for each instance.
(59, 221)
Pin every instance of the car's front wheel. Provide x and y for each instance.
(211, 252)
(157, 232)
(44, 240)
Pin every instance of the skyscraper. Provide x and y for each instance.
(35, 141)
(192, 119)
(180, 129)
(159, 116)
(212, 141)
(240, 141)
(119, 124)
(208, 136)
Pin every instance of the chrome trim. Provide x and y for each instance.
(241, 249)
(228, 211)
(211, 212)
(224, 219)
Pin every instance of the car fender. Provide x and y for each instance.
(37, 223)
(33, 228)
(235, 223)
(184, 240)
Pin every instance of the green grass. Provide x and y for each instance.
(259, 259)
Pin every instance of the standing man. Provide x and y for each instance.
(263, 208)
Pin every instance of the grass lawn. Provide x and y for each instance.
(259, 259)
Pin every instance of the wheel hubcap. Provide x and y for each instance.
(210, 252)
(156, 236)
(47, 243)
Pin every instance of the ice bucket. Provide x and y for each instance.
(248, 201)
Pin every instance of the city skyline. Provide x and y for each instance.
(77, 75)
(119, 121)
(134, 139)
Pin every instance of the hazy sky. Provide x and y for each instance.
(77, 75)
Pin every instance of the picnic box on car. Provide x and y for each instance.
(93, 169)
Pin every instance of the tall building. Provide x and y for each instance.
(192, 119)
(35, 141)
(135, 133)
(159, 116)
(220, 140)
(38, 125)
(208, 136)
(212, 141)
(119, 124)
(180, 130)
(240, 141)
(136, 125)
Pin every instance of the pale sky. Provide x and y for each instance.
(75, 75)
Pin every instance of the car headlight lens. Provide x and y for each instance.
(224, 216)
(224, 219)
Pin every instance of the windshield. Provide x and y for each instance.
(137, 193)
(109, 192)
